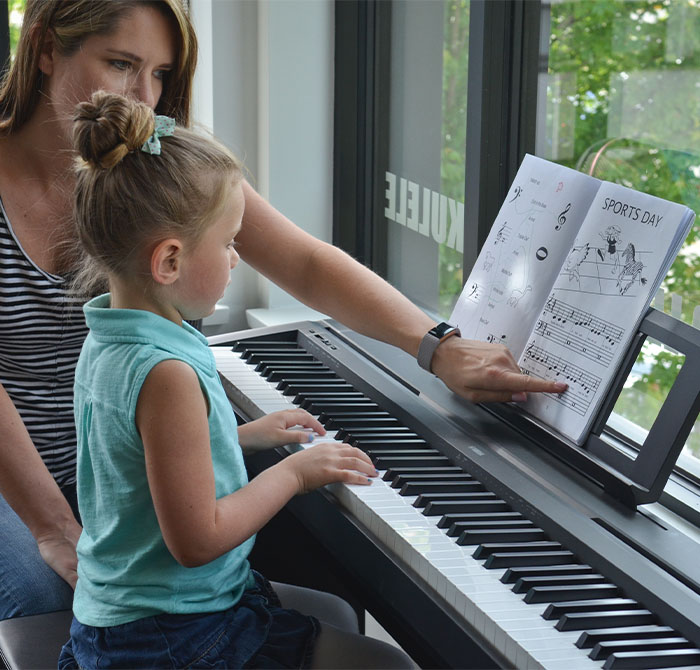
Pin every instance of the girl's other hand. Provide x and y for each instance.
(330, 462)
(289, 426)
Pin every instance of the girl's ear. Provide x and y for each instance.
(165, 261)
(46, 55)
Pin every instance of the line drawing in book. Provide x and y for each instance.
(488, 261)
(608, 271)
(572, 265)
(631, 270)
(517, 295)
(612, 236)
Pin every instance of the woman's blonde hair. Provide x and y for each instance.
(70, 22)
(126, 199)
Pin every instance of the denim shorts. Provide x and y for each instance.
(256, 633)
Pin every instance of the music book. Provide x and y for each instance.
(563, 280)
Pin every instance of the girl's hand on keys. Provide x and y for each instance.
(330, 462)
(289, 426)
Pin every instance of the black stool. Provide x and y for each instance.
(34, 642)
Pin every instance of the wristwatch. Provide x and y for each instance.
(431, 341)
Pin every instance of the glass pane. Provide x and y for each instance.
(16, 8)
(424, 179)
(621, 100)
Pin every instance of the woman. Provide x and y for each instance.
(67, 50)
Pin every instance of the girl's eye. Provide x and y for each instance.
(161, 74)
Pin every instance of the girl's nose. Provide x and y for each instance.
(234, 258)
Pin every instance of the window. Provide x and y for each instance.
(620, 100)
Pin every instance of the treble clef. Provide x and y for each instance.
(561, 219)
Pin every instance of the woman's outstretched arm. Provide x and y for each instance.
(329, 280)
(31, 491)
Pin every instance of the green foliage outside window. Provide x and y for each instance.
(600, 43)
(16, 8)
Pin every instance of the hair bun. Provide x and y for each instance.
(109, 126)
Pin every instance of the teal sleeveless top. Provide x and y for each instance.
(125, 570)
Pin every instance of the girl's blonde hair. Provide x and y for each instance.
(126, 198)
(69, 23)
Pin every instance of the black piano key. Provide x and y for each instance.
(485, 550)
(603, 649)
(350, 422)
(449, 519)
(380, 453)
(309, 382)
(589, 638)
(558, 610)
(667, 658)
(329, 396)
(457, 528)
(417, 488)
(270, 356)
(290, 375)
(312, 366)
(389, 443)
(349, 434)
(508, 560)
(400, 480)
(512, 575)
(357, 413)
(386, 462)
(340, 419)
(426, 498)
(357, 405)
(441, 508)
(585, 620)
(248, 348)
(301, 386)
(474, 536)
(392, 473)
(554, 594)
(524, 584)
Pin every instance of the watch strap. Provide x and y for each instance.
(431, 341)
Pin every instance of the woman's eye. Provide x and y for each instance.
(161, 74)
(120, 64)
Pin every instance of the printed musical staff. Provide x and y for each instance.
(579, 331)
(582, 384)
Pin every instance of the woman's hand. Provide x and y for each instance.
(329, 462)
(483, 372)
(273, 430)
(58, 550)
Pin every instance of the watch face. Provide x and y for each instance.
(442, 329)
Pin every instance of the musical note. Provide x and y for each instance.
(518, 191)
(579, 331)
(582, 384)
(561, 219)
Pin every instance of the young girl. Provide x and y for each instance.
(168, 514)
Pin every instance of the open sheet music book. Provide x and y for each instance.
(564, 279)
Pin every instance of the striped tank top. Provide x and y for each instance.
(42, 330)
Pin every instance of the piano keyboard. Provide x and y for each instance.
(524, 594)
